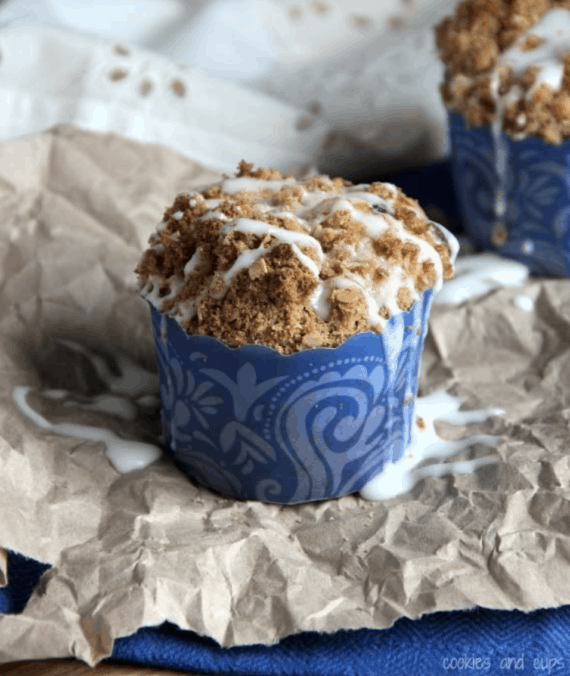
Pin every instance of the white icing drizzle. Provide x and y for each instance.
(445, 238)
(124, 455)
(356, 194)
(291, 215)
(244, 261)
(375, 225)
(320, 300)
(106, 403)
(392, 340)
(192, 263)
(233, 185)
(500, 148)
(554, 27)
(307, 261)
(151, 291)
(400, 477)
(250, 227)
(213, 215)
(478, 275)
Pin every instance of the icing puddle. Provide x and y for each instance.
(478, 275)
(134, 381)
(400, 477)
(124, 455)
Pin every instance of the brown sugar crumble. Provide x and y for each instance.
(531, 42)
(481, 81)
(263, 258)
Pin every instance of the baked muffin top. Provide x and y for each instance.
(262, 258)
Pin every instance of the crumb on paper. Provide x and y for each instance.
(121, 50)
(420, 422)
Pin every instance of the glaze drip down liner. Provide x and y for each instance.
(251, 423)
(535, 228)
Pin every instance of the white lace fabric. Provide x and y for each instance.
(223, 80)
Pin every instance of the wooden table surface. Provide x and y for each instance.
(74, 668)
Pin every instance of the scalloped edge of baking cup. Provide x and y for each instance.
(254, 424)
(533, 225)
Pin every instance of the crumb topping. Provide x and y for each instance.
(263, 258)
(508, 64)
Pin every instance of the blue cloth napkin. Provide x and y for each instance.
(462, 642)
(478, 641)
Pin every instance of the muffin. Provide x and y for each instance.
(289, 319)
(507, 92)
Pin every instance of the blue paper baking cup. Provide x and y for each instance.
(253, 424)
(535, 228)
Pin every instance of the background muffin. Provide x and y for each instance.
(507, 91)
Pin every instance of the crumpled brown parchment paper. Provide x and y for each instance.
(137, 549)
